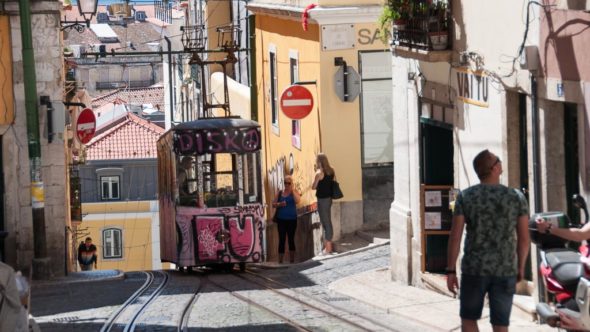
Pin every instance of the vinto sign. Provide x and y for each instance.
(85, 126)
(296, 102)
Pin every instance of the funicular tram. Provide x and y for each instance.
(210, 193)
(210, 184)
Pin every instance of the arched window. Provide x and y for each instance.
(112, 243)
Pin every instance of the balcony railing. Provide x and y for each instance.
(425, 27)
(123, 84)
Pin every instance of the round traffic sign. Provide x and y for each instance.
(85, 125)
(296, 102)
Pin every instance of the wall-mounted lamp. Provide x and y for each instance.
(87, 9)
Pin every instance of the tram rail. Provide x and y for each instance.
(137, 303)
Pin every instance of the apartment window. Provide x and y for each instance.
(112, 246)
(376, 108)
(274, 87)
(295, 124)
(110, 187)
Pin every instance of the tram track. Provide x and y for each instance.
(126, 316)
(329, 313)
(372, 321)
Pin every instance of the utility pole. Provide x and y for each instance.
(41, 261)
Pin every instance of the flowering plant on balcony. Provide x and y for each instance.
(395, 11)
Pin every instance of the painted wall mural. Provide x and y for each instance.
(220, 235)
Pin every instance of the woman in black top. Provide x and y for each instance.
(322, 184)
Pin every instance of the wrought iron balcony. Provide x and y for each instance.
(421, 25)
(123, 84)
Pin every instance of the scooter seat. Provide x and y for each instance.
(566, 267)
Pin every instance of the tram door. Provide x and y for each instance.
(436, 169)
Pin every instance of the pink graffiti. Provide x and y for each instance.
(242, 238)
(208, 228)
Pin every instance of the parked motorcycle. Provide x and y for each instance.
(565, 272)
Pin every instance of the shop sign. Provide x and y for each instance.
(369, 37)
(473, 87)
(337, 37)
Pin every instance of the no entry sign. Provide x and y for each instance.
(85, 126)
(296, 102)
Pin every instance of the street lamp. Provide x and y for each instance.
(87, 9)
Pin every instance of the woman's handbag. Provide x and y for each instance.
(275, 218)
(336, 191)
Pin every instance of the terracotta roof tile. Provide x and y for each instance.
(134, 138)
(153, 95)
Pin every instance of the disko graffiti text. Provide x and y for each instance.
(218, 140)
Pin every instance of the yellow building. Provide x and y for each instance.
(351, 119)
(126, 234)
(118, 184)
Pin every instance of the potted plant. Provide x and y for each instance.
(395, 12)
(68, 52)
(437, 25)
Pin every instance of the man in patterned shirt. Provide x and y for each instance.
(496, 245)
(87, 255)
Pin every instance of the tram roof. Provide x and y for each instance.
(213, 123)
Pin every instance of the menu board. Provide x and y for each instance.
(437, 214)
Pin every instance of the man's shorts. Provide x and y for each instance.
(500, 291)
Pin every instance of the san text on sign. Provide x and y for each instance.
(296, 102)
(85, 125)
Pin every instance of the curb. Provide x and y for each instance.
(71, 280)
(350, 252)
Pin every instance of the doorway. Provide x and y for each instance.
(437, 169)
(572, 172)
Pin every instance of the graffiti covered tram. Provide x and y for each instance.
(210, 193)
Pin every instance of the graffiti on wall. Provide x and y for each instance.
(302, 173)
(220, 235)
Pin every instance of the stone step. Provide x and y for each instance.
(523, 306)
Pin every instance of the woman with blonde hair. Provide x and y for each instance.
(322, 184)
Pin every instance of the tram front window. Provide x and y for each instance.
(219, 179)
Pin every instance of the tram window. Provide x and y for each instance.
(219, 187)
(249, 167)
(186, 179)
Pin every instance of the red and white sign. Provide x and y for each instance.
(85, 125)
(296, 102)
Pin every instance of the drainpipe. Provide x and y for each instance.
(252, 71)
(40, 260)
(536, 168)
(170, 80)
(535, 139)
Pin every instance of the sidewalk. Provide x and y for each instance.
(430, 307)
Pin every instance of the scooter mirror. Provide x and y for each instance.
(580, 203)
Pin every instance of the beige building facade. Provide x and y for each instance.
(512, 87)
(17, 218)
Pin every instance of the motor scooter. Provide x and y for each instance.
(565, 272)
